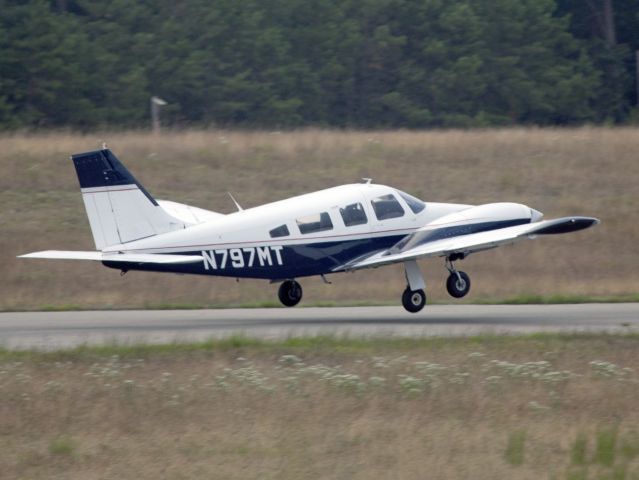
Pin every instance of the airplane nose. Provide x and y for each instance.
(535, 215)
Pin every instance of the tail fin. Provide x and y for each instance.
(119, 208)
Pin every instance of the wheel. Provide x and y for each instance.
(458, 286)
(413, 300)
(290, 293)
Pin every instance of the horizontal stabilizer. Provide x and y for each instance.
(188, 214)
(158, 258)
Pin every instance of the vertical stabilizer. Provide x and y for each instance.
(119, 208)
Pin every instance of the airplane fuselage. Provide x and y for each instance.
(242, 245)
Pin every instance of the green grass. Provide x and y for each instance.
(515, 448)
(62, 445)
(514, 300)
(577, 474)
(605, 450)
(202, 306)
(335, 344)
(630, 446)
(579, 450)
(556, 299)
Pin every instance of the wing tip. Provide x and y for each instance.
(33, 254)
(567, 225)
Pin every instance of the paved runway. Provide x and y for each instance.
(51, 330)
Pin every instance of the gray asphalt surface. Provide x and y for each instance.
(53, 330)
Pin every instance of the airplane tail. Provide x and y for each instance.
(119, 208)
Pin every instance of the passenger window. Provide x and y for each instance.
(353, 214)
(315, 223)
(415, 204)
(386, 207)
(281, 231)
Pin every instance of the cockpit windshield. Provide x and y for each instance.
(415, 204)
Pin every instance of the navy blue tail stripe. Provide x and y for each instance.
(101, 168)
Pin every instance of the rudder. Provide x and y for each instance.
(119, 208)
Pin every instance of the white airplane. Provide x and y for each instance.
(340, 229)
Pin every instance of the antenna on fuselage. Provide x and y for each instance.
(367, 181)
(239, 207)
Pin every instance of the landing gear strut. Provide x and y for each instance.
(413, 297)
(458, 283)
(290, 293)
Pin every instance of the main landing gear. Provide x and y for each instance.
(458, 283)
(290, 293)
(414, 298)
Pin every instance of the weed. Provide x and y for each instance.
(630, 445)
(605, 448)
(578, 450)
(62, 445)
(514, 453)
(577, 474)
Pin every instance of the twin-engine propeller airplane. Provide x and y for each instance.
(339, 229)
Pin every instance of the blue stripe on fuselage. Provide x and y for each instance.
(292, 261)
(296, 260)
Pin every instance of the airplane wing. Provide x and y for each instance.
(466, 244)
(159, 258)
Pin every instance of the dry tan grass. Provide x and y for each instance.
(438, 409)
(592, 171)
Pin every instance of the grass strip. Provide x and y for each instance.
(325, 344)
(514, 300)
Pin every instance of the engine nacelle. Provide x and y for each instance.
(489, 212)
(481, 218)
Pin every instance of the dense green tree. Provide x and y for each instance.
(44, 62)
(485, 62)
(286, 63)
(611, 44)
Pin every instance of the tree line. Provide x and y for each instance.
(340, 63)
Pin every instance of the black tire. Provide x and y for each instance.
(458, 288)
(290, 293)
(413, 300)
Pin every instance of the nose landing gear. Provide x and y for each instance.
(290, 293)
(458, 283)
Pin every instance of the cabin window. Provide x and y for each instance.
(415, 204)
(353, 214)
(317, 222)
(386, 207)
(281, 231)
